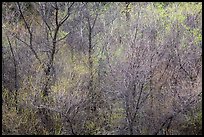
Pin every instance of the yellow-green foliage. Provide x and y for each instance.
(62, 85)
(7, 96)
(81, 69)
(58, 124)
(28, 89)
(145, 131)
(96, 125)
(117, 115)
(21, 123)
(93, 128)
(197, 35)
(90, 125)
(125, 9)
(118, 52)
(26, 120)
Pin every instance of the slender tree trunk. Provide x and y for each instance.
(90, 63)
(15, 75)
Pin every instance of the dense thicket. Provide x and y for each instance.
(102, 68)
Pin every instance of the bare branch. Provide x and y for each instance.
(66, 16)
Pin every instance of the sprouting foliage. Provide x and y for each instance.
(81, 68)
